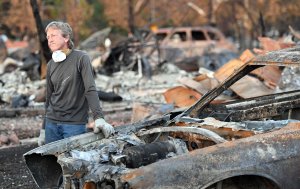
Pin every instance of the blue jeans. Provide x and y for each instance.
(58, 131)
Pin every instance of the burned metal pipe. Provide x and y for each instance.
(137, 156)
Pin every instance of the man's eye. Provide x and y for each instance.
(50, 36)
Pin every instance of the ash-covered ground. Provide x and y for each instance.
(13, 171)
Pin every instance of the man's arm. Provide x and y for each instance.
(93, 99)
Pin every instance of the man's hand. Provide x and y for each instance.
(106, 128)
(41, 139)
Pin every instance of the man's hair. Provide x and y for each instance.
(66, 30)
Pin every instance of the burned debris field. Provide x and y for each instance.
(261, 132)
(196, 94)
(250, 102)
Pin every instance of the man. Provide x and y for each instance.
(71, 89)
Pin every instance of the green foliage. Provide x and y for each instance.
(168, 23)
(97, 20)
(54, 8)
(119, 30)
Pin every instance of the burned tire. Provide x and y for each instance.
(245, 182)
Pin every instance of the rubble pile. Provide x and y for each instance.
(131, 77)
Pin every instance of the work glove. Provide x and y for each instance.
(41, 139)
(102, 125)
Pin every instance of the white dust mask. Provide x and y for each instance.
(58, 56)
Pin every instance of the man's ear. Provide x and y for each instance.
(67, 39)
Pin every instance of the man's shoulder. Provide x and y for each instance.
(79, 52)
(80, 55)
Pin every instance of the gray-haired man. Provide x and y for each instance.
(71, 89)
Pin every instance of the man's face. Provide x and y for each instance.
(55, 40)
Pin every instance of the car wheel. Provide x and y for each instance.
(244, 182)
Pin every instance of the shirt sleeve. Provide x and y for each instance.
(90, 86)
(49, 86)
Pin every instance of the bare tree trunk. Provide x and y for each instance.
(210, 15)
(262, 24)
(131, 16)
(45, 51)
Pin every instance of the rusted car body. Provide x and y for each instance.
(252, 143)
(194, 40)
(180, 45)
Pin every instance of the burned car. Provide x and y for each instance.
(192, 47)
(250, 143)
